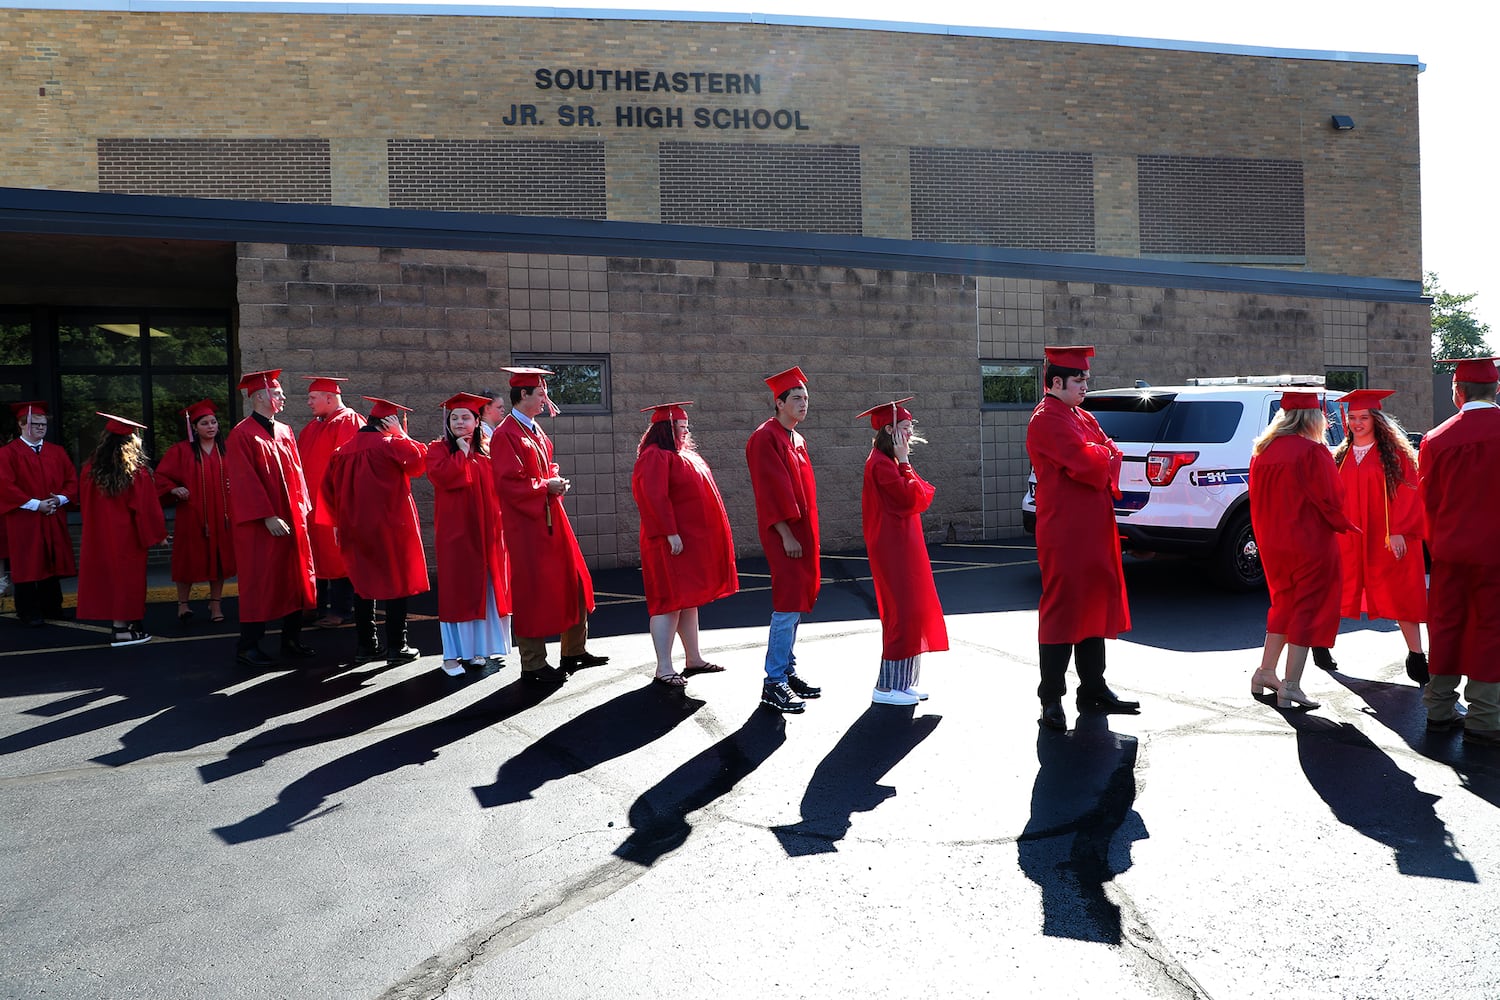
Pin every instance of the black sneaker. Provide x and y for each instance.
(781, 698)
(801, 688)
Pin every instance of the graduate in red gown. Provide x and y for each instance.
(687, 548)
(786, 515)
(1077, 542)
(1459, 484)
(473, 570)
(37, 482)
(192, 475)
(122, 519)
(1297, 510)
(367, 498)
(333, 424)
(272, 551)
(891, 505)
(558, 592)
(1384, 576)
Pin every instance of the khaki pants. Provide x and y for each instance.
(1441, 698)
(534, 649)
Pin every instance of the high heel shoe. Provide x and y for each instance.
(1290, 696)
(1264, 682)
(215, 611)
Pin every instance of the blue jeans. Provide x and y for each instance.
(780, 660)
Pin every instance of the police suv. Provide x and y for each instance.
(1185, 476)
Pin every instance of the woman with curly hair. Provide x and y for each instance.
(1297, 511)
(122, 518)
(473, 566)
(1384, 575)
(193, 476)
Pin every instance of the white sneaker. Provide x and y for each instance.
(894, 697)
(453, 668)
(919, 695)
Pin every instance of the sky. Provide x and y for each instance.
(1458, 40)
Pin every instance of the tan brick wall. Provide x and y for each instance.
(358, 79)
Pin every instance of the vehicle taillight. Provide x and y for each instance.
(1162, 466)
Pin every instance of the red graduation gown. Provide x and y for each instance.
(1459, 482)
(367, 496)
(265, 479)
(1375, 581)
(316, 445)
(470, 546)
(781, 474)
(537, 533)
(39, 544)
(202, 547)
(1077, 542)
(677, 495)
(1297, 510)
(117, 531)
(891, 505)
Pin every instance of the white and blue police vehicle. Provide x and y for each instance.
(1185, 476)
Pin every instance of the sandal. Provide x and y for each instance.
(215, 613)
(703, 668)
(183, 611)
(672, 680)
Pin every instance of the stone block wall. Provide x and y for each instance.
(416, 326)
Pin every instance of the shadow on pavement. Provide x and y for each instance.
(618, 727)
(1367, 792)
(659, 815)
(1398, 707)
(304, 798)
(847, 781)
(1081, 805)
(383, 705)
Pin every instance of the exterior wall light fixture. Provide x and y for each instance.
(1342, 123)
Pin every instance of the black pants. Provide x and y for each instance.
(364, 624)
(1089, 657)
(252, 632)
(336, 597)
(39, 599)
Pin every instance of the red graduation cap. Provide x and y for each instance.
(23, 411)
(1076, 356)
(196, 412)
(467, 401)
(382, 408)
(1473, 369)
(668, 411)
(256, 381)
(789, 379)
(887, 413)
(527, 378)
(1364, 399)
(1300, 401)
(324, 383)
(119, 425)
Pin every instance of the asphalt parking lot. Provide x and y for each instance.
(172, 826)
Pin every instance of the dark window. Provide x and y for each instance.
(145, 365)
(1009, 385)
(1202, 422)
(579, 384)
(1138, 417)
(1345, 379)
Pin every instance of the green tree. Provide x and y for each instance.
(1455, 331)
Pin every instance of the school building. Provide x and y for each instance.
(672, 206)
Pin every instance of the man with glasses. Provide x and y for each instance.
(37, 482)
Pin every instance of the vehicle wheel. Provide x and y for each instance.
(1237, 562)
